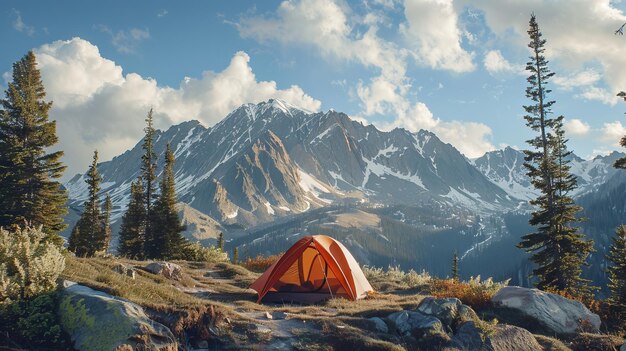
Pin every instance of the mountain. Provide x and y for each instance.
(505, 168)
(271, 159)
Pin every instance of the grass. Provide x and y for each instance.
(215, 296)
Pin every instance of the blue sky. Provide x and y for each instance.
(451, 66)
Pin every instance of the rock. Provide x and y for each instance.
(419, 326)
(623, 348)
(450, 311)
(124, 269)
(98, 321)
(166, 269)
(276, 315)
(380, 325)
(473, 336)
(279, 315)
(543, 312)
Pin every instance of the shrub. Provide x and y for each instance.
(410, 279)
(33, 323)
(260, 263)
(29, 264)
(475, 293)
(196, 252)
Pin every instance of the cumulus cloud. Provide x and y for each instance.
(326, 25)
(20, 26)
(433, 24)
(495, 64)
(469, 137)
(613, 132)
(576, 127)
(578, 33)
(97, 106)
(584, 78)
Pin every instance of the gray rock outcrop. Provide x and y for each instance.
(97, 321)
(544, 312)
(502, 337)
(166, 269)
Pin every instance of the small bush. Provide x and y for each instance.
(196, 252)
(29, 264)
(475, 293)
(409, 279)
(33, 323)
(260, 263)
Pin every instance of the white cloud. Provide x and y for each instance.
(598, 94)
(578, 33)
(20, 26)
(126, 41)
(576, 127)
(162, 13)
(325, 25)
(495, 63)
(613, 132)
(469, 137)
(433, 24)
(98, 107)
(584, 78)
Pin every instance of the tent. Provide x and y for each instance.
(315, 268)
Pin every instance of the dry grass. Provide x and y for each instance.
(551, 344)
(260, 263)
(475, 293)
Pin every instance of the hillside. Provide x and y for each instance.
(210, 307)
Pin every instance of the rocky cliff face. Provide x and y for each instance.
(270, 159)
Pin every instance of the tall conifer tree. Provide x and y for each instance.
(105, 237)
(558, 249)
(168, 240)
(617, 276)
(148, 175)
(132, 231)
(87, 231)
(29, 187)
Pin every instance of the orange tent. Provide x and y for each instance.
(315, 268)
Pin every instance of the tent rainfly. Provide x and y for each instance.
(315, 268)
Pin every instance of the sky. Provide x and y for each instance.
(455, 67)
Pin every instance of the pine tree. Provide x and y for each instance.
(455, 267)
(621, 162)
(132, 230)
(85, 234)
(559, 251)
(29, 190)
(220, 241)
(235, 256)
(168, 241)
(617, 275)
(105, 224)
(148, 175)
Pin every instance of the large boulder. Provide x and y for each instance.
(450, 311)
(98, 321)
(543, 312)
(417, 325)
(166, 269)
(623, 348)
(486, 337)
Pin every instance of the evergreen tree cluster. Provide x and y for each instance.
(150, 227)
(30, 192)
(92, 232)
(559, 250)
